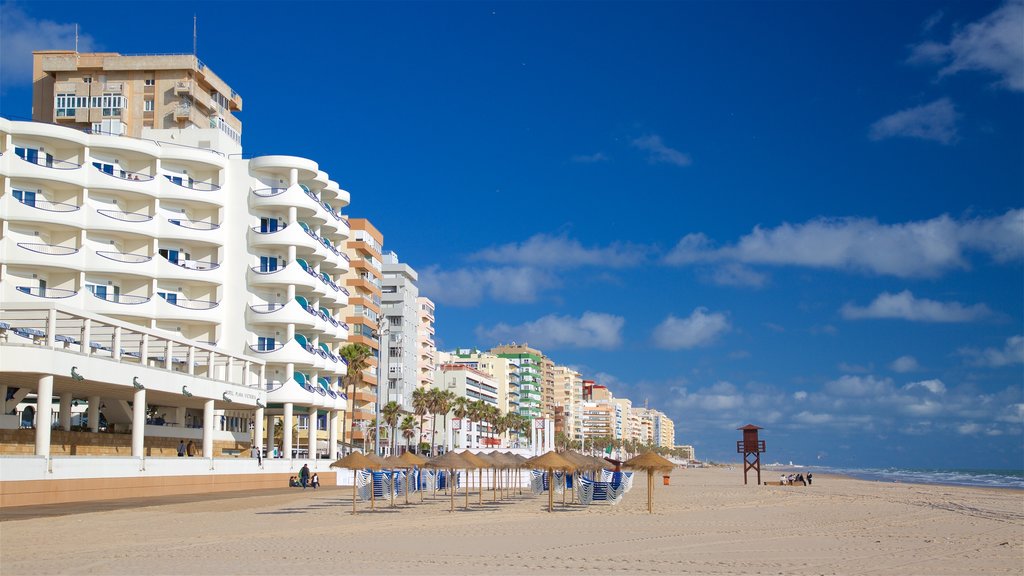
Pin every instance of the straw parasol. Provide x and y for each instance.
(450, 461)
(393, 463)
(492, 463)
(550, 461)
(516, 461)
(583, 463)
(413, 460)
(649, 461)
(479, 463)
(356, 462)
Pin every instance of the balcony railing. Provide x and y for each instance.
(265, 308)
(195, 264)
(126, 175)
(258, 270)
(49, 206)
(268, 192)
(130, 299)
(125, 216)
(193, 224)
(192, 304)
(265, 349)
(192, 184)
(124, 257)
(48, 249)
(48, 161)
(40, 292)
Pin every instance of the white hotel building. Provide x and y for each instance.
(164, 281)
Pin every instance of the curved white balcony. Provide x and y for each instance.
(190, 191)
(292, 235)
(280, 166)
(119, 145)
(43, 211)
(36, 294)
(201, 159)
(291, 312)
(106, 219)
(37, 255)
(57, 136)
(293, 273)
(342, 199)
(188, 310)
(189, 271)
(342, 331)
(47, 168)
(177, 227)
(283, 198)
(122, 181)
(289, 391)
(120, 305)
(290, 352)
(120, 263)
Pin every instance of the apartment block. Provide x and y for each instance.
(401, 310)
(529, 366)
(425, 342)
(364, 282)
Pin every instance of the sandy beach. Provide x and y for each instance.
(706, 522)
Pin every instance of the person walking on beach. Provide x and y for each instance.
(304, 476)
(190, 449)
(809, 476)
(315, 482)
(181, 448)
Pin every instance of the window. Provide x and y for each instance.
(268, 225)
(111, 104)
(264, 344)
(268, 263)
(26, 197)
(150, 82)
(147, 105)
(65, 105)
(87, 79)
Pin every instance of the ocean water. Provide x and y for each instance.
(950, 476)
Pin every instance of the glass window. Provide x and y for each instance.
(148, 105)
(150, 82)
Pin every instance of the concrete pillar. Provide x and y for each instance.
(257, 434)
(44, 415)
(51, 328)
(271, 425)
(208, 429)
(94, 413)
(533, 439)
(550, 434)
(169, 355)
(65, 411)
(3, 399)
(293, 176)
(143, 349)
(139, 424)
(286, 442)
(115, 351)
(179, 415)
(313, 414)
(86, 335)
(332, 435)
(191, 359)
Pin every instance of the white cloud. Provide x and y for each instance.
(993, 44)
(734, 274)
(932, 20)
(22, 34)
(924, 248)
(935, 121)
(904, 364)
(590, 158)
(659, 152)
(934, 386)
(905, 306)
(699, 328)
(800, 395)
(468, 286)
(811, 418)
(1011, 353)
(546, 251)
(858, 386)
(591, 330)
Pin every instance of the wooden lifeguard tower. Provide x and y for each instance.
(751, 449)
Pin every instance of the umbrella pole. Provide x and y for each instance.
(565, 475)
(354, 472)
(480, 495)
(451, 493)
(468, 478)
(391, 489)
(650, 491)
(551, 489)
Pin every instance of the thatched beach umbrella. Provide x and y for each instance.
(583, 463)
(516, 461)
(649, 461)
(356, 462)
(492, 463)
(550, 461)
(449, 461)
(412, 460)
(480, 464)
(393, 463)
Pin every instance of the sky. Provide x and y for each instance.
(804, 215)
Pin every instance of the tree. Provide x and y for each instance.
(421, 404)
(434, 407)
(408, 430)
(445, 402)
(460, 408)
(356, 357)
(390, 413)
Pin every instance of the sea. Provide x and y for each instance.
(943, 476)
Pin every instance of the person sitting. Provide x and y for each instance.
(293, 482)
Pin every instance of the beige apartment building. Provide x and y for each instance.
(363, 316)
(110, 93)
(566, 400)
(501, 371)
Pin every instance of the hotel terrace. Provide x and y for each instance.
(162, 286)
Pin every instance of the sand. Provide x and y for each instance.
(706, 522)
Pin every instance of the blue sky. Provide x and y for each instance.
(805, 215)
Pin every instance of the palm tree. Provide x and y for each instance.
(356, 356)
(444, 405)
(460, 405)
(390, 413)
(420, 405)
(408, 428)
(434, 407)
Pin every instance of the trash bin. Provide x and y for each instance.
(664, 479)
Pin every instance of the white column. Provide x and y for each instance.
(44, 415)
(208, 429)
(287, 432)
(311, 444)
(332, 435)
(86, 335)
(257, 434)
(550, 434)
(94, 413)
(179, 415)
(115, 350)
(51, 328)
(533, 439)
(139, 424)
(271, 425)
(65, 411)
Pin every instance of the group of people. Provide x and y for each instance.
(796, 479)
(304, 479)
(189, 449)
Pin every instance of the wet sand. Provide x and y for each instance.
(706, 522)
